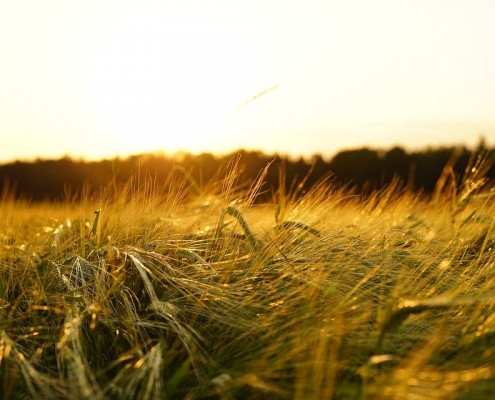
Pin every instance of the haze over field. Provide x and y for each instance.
(99, 79)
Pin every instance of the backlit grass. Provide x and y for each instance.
(202, 293)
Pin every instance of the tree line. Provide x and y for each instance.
(363, 170)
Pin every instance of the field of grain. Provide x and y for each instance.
(204, 293)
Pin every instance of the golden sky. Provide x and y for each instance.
(99, 78)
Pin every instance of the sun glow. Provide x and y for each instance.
(98, 79)
(152, 78)
(156, 90)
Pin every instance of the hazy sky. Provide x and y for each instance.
(100, 78)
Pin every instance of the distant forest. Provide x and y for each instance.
(363, 170)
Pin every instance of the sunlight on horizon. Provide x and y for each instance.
(117, 78)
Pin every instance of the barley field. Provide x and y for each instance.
(204, 293)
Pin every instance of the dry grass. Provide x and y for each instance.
(202, 294)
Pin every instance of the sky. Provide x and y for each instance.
(102, 78)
